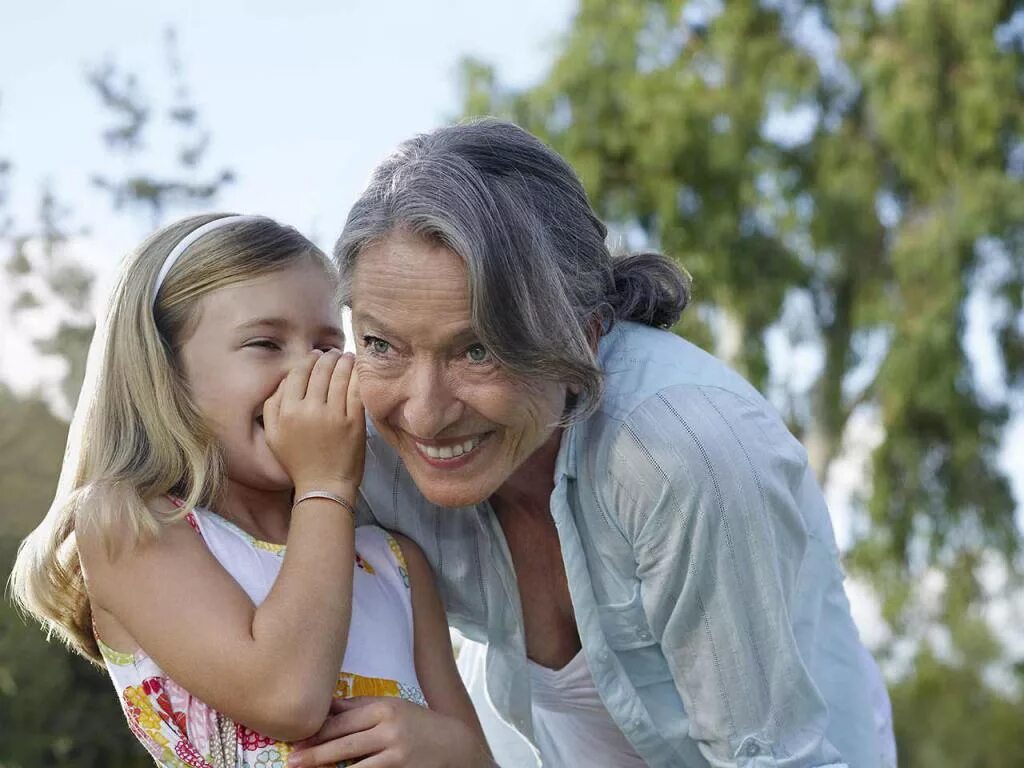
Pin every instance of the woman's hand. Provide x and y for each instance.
(315, 425)
(390, 733)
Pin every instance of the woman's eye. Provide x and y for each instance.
(376, 346)
(478, 354)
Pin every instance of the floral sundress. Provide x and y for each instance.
(180, 731)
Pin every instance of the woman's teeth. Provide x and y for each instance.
(449, 451)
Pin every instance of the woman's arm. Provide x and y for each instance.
(272, 667)
(397, 732)
(703, 482)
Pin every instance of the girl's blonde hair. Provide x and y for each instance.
(136, 434)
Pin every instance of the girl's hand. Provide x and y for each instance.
(315, 425)
(390, 733)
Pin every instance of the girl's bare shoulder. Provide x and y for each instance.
(110, 527)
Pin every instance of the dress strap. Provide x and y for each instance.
(190, 517)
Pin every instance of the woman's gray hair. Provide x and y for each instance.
(542, 282)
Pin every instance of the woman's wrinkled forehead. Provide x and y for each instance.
(424, 260)
(405, 281)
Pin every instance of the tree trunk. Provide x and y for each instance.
(828, 412)
(729, 344)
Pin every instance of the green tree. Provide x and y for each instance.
(846, 176)
(946, 715)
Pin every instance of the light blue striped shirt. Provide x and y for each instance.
(701, 563)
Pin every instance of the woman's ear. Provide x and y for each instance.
(595, 330)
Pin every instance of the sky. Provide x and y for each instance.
(302, 99)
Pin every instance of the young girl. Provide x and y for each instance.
(219, 427)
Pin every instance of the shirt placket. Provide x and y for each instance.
(507, 676)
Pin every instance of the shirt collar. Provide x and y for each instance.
(565, 463)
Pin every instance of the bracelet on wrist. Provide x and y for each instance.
(329, 496)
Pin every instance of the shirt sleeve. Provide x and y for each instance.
(705, 485)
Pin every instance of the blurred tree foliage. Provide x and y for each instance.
(48, 281)
(844, 179)
(181, 130)
(63, 710)
(56, 710)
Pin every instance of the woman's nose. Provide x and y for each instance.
(430, 404)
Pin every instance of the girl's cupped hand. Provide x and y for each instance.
(315, 425)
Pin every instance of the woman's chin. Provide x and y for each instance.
(459, 481)
(449, 493)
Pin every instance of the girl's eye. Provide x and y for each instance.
(478, 354)
(376, 346)
(264, 344)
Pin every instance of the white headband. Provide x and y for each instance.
(183, 245)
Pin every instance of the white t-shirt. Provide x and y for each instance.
(571, 725)
(570, 722)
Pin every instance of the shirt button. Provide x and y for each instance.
(604, 656)
(645, 635)
(753, 749)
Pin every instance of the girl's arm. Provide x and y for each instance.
(435, 660)
(272, 667)
(397, 732)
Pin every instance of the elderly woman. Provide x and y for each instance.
(624, 521)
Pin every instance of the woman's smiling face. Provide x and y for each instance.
(461, 424)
